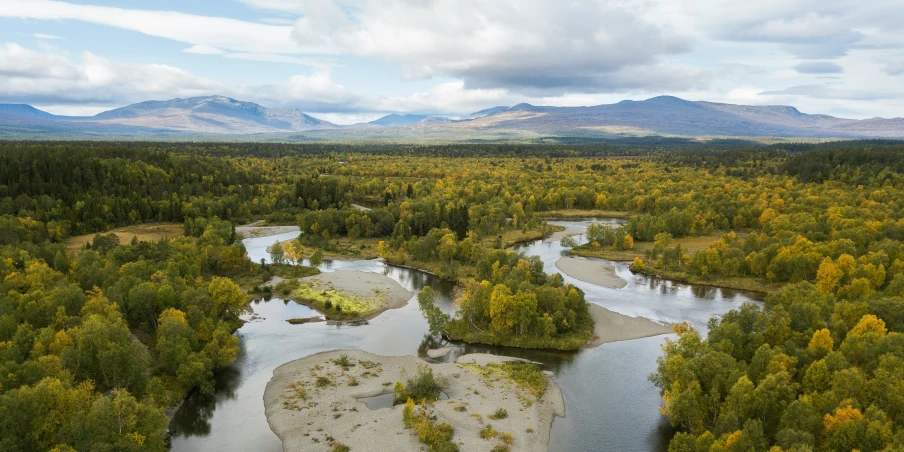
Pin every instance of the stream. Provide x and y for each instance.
(611, 405)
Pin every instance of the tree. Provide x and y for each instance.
(436, 318)
(277, 255)
(317, 258)
(228, 298)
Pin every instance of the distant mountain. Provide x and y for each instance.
(214, 116)
(199, 115)
(23, 111)
(667, 115)
(398, 120)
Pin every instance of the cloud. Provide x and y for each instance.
(204, 49)
(223, 33)
(528, 45)
(819, 67)
(46, 36)
(828, 92)
(16, 61)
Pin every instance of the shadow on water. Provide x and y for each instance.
(611, 404)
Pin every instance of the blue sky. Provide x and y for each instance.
(354, 60)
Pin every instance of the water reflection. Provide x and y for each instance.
(611, 405)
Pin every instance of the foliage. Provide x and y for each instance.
(422, 387)
(517, 304)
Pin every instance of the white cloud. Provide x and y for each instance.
(204, 49)
(46, 36)
(219, 32)
(530, 45)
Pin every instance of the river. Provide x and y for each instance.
(610, 403)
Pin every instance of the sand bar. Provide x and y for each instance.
(614, 327)
(557, 236)
(332, 412)
(253, 230)
(593, 271)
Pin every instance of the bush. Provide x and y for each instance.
(488, 432)
(422, 387)
(323, 381)
(501, 413)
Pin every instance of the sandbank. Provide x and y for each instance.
(593, 271)
(614, 327)
(309, 417)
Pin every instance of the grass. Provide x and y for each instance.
(334, 304)
(500, 413)
(304, 320)
(747, 283)
(144, 232)
(438, 437)
(292, 271)
(690, 244)
(344, 247)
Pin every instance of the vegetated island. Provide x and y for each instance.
(478, 403)
(345, 295)
(514, 303)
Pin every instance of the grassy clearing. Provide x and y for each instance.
(344, 248)
(334, 304)
(689, 244)
(292, 271)
(144, 233)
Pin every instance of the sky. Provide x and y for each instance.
(355, 60)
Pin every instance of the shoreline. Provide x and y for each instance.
(593, 271)
(366, 285)
(559, 235)
(610, 326)
(307, 416)
(252, 230)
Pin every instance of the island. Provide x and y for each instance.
(344, 294)
(353, 400)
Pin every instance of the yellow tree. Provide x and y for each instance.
(828, 276)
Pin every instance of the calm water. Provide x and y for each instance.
(610, 403)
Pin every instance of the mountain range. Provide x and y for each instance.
(664, 115)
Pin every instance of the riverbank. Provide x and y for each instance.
(611, 326)
(255, 230)
(748, 284)
(311, 405)
(350, 295)
(557, 236)
(591, 271)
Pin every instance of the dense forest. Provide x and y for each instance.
(96, 343)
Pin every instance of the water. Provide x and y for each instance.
(610, 403)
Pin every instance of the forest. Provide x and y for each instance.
(97, 344)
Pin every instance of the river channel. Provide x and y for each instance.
(611, 405)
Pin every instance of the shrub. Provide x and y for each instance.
(501, 413)
(488, 432)
(343, 362)
(339, 447)
(323, 381)
(422, 387)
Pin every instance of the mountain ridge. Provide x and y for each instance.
(661, 115)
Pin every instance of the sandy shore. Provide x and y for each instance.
(252, 230)
(557, 236)
(614, 327)
(307, 417)
(382, 288)
(593, 271)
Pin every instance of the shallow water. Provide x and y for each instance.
(610, 403)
